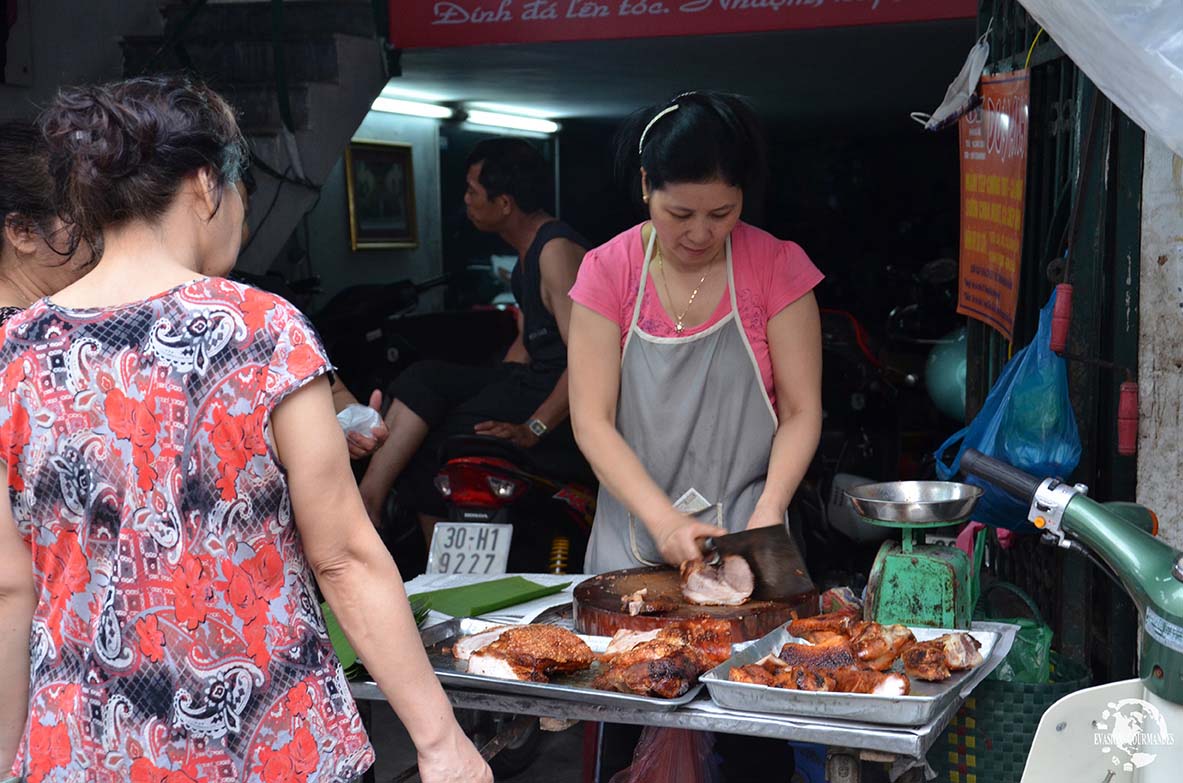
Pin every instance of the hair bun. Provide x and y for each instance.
(119, 151)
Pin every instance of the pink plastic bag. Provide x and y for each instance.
(671, 756)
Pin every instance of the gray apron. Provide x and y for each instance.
(695, 411)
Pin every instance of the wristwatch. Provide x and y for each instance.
(537, 426)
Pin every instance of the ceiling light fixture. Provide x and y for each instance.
(512, 121)
(413, 108)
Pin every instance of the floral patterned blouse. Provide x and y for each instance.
(177, 636)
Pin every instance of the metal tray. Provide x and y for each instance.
(925, 702)
(573, 687)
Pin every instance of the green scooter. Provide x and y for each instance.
(1128, 731)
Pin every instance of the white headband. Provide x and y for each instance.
(656, 117)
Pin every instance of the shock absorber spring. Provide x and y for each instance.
(560, 555)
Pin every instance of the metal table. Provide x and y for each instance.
(703, 714)
(850, 742)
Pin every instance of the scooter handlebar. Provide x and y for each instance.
(1014, 482)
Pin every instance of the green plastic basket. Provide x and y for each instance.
(990, 736)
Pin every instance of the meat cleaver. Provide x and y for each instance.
(776, 563)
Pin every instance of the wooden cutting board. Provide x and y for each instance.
(598, 610)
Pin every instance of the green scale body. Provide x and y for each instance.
(921, 585)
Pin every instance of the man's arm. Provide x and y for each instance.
(559, 263)
(517, 352)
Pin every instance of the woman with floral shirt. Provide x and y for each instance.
(176, 480)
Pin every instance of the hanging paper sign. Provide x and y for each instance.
(437, 23)
(993, 149)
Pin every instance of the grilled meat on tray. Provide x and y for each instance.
(667, 662)
(937, 659)
(530, 653)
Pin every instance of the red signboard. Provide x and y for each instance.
(430, 23)
(993, 186)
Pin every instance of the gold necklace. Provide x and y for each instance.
(678, 319)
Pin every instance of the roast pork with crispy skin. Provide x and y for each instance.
(531, 653)
(824, 626)
(833, 653)
(877, 646)
(665, 662)
(937, 659)
(729, 583)
(853, 680)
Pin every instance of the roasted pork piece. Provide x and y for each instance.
(465, 646)
(729, 583)
(791, 678)
(666, 662)
(625, 640)
(877, 646)
(636, 603)
(852, 680)
(824, 626)
(530, 652)
(711, 637)
(832, 653)
(937, 659)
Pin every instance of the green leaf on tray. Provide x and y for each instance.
(341, 645)
(484, 597)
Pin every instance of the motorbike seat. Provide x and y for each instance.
(555, 457)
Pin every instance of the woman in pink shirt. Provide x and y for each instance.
(695, 349)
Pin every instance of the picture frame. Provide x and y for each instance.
(380, 183)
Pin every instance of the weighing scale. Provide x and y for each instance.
(915, 583)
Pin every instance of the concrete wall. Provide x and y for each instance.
(332, 259)
(73, 42)
(1160, 376)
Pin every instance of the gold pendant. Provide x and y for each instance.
(678, 328)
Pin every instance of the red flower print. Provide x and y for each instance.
(132, 420)
(193, 588)
(303, 361)
(299, 700)
(293, 762)
(14, 374)
(277, 767)
(236, 440)
(303, 750)
(255, 306)
(151, 638)
(49, 748)
(254, 583)
(18, 438)
(63, 569)
(144, 771)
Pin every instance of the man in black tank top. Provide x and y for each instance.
(524, 399)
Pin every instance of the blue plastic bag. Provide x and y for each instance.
(1026, 421)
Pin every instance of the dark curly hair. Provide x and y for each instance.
(26, 189)
(119, 151)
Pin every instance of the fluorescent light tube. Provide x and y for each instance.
(414, 108)
(511, 121)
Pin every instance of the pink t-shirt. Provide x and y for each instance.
(770, 274)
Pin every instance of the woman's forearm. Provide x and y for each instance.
(620, 471)
(793, 448)
(367, 596)
(16, 615)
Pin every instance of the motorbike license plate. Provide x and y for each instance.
(469, 548)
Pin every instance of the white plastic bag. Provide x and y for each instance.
(1131, 49)
(359, 420)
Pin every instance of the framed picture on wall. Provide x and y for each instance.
(381, 187)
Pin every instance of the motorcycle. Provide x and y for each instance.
(547, 494)
(1127, 724)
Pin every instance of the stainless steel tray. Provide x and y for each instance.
(572, 687)
(924, 703)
